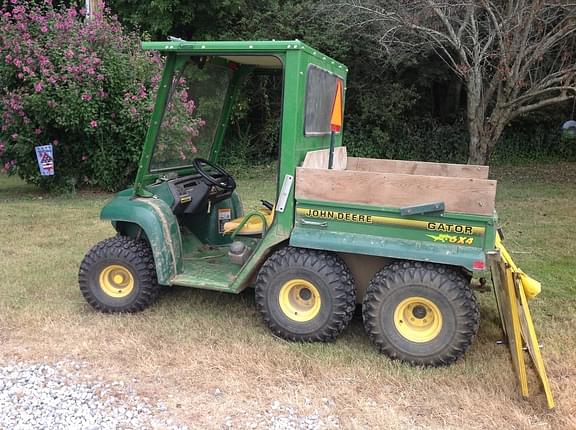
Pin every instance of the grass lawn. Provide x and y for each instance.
(193, 342)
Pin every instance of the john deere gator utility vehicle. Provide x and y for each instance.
(401, 238)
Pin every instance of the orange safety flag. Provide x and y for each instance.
(336, 119)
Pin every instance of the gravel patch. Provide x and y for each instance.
(63, 396)
(284, 417)
(55, 396)
(280, 416)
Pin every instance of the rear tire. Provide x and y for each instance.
(424, 314)
(118, 275)
(305, 295)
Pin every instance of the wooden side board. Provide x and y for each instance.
(417, 168)
(465, 195)
(319, 159)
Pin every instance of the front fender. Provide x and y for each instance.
(158, 223)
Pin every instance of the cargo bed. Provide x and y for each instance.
(360, 207)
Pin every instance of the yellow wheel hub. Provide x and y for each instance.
(300, 300)
(116, 281)
(418, 319)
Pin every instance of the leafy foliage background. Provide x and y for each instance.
(408, 106)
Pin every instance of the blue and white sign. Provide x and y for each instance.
(45, 157)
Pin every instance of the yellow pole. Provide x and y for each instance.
(531, 286)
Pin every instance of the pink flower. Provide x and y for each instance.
(44, 29)
(84, 157)
(38, 87)
(55, 142)
(86, 97)
(93, 123)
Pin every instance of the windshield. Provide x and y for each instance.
(192, 116)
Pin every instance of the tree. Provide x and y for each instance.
(83, 86)
(192, 20)
(513, 57)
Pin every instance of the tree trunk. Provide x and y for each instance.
(484, 134)
(478, 150)
(475, 113)
(478, 147)
(483, 142)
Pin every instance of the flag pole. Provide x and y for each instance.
(331, 152)
(335, 122)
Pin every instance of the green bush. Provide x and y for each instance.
(83, 86)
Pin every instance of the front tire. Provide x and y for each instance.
(305, 295)
(118, 275)
(424, 314)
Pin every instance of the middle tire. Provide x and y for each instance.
(305, 295)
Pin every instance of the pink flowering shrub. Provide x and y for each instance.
(82, 85)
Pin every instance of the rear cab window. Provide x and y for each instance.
(320, 97)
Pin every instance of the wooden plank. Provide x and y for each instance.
(319, 159)
(418, 168)
(505, 296)
(464, 195)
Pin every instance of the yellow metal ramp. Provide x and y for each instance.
(512, 288)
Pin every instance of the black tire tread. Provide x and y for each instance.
(451, 280)
(123, 248)
(336, 274)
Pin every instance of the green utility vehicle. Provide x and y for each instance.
(402, 238)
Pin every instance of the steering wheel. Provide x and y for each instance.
(226, 182)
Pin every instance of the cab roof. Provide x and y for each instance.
(240, 49)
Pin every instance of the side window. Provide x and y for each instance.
(320, 97)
